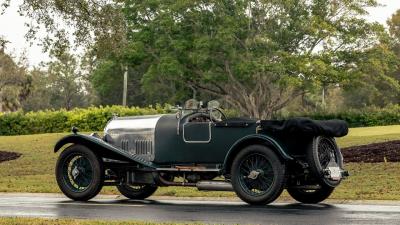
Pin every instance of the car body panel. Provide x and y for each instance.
(161, 143)
(171, 147)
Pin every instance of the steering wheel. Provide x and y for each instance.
(204, 116)
(197, 116)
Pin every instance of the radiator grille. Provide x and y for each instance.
(138, 147)
(143, 147)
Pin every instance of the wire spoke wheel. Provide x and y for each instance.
(78, 173)
(322, 154)
(258, 175)
(326, 153)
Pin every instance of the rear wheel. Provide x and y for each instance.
(258, 175)
(137, 191)
(322, 154)
(311, 196)
(79, 173)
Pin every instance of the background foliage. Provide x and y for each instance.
(52, 121)
(95, 118)
(261, 58)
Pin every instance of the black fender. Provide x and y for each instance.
(253, 139)
(98, 146)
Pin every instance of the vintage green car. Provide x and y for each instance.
(199, 147)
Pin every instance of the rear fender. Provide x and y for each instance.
(253, 139)
(101, 148)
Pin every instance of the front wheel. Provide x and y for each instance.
(311, 196)
(79, 173)
(138, 192)
(258, 175)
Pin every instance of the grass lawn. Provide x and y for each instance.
(34, 171)
(37, 221)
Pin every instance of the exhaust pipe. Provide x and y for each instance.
(214, 186)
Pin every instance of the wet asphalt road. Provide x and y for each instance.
(220, 212)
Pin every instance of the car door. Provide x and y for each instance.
(197, 132)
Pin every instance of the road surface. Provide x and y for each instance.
(221, 212)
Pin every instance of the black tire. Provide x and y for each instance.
(315, 153)
(311, 196)
(264, 187)
(90, 173)
(138, 192)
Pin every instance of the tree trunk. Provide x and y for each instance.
(259, 99)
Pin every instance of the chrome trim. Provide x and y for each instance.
(133, 122)
(134, 135)
(197, 142)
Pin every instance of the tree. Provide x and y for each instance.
(14, 82)
(375, 84)
(66, 82)
(107, 81)
(87, 22)
(394, 25)
(58, 84)
(394, 29)
(99, 21)
(256, 55)
(40, 92)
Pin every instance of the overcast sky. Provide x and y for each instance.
(13, 29)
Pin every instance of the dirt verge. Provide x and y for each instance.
(373, 153)
(6, 156)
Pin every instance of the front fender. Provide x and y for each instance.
(253, 138)
(100, 147)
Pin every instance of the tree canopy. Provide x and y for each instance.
(258, 56)
(14, 82)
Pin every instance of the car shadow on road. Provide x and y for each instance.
(216, 205)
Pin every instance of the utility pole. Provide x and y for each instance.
(125, 86)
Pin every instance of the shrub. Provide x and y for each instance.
(361, 118)
(53, 121)
(95, 118)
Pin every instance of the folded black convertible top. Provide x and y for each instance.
(306, 127)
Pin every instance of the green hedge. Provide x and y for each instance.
(51, 121)
(362, 118)
(95, 118)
